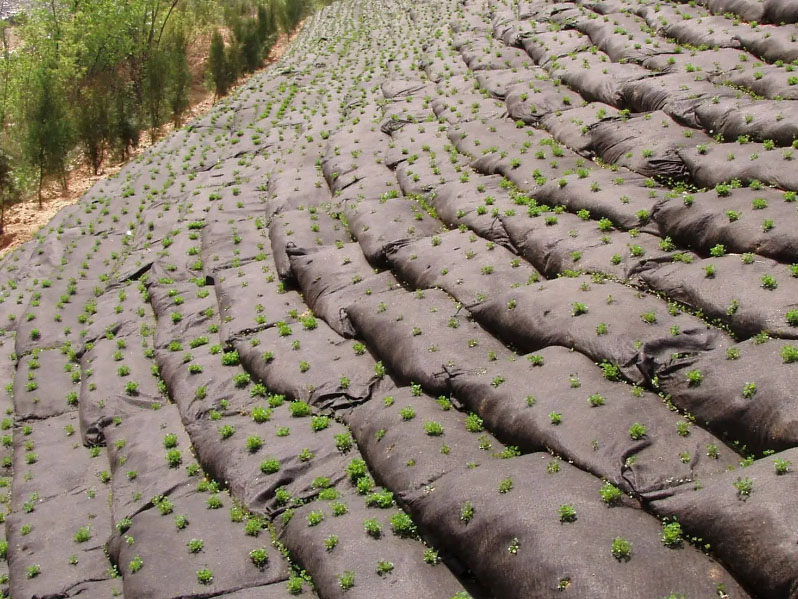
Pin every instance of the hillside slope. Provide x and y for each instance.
(456, 299)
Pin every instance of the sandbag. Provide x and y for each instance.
(646, 144)
(748, 517)
(567, 312)
(468, 268)
(733, 217)
(743, 393)
(418, 334)
(558, 400)
(511, 512)
(749, 296)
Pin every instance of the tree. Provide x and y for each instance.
(179, 77)
(124, 131)
(6, 186)
(92, 124)
(217, 65)
(48, 136)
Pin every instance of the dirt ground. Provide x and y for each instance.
(25, 218)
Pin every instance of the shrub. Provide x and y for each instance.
(254, 443)
(331, 542)
(597, 399)
(578, 308)
(694, 378)
(83, 534)
(789, 354)
(299, 409)
(474, 424)
(621, 549)
(346, 580)
(174, 458)
(204, 576)
(432, 428)
(402, 525)
(637, 431)
(782, 466)
(567, 513)
(610, 494)
(259, 557)
(467, 512)
(195, 545)
(744, 487)
(372, 527)
(506, 485)
(672, 534)
(136, 564)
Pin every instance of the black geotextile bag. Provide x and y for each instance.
(63, 465)
(741, 219)
(647, 144)
(285, 446)
(767, 11)
(410, 439)
(604, 320)
(554, 243)
(769, 81)
(758, 119)
(691, 68)
(745, 393)
(596, 78)
(748, 517)
(418, 334)
(141, 444)
(74, 301)
(485, 136)
(467, 267)
(294, 188)
(559, 400)
(475, 204)
(397, 87)
(118, 380)
(425, 176)
(705, 31)
(52, 501)
(749, 296)
(570, 127)
(125, 307)
(379, 224)
(530, 102)
(496, 56)
(536, 527)
(227, 242)
(252, 298)
(553, 45)
(622, 196)
(51, 543)
(308, 229)
(307, 360)
(497, 82)
(335, 277)
(711, 164)
(183, 310)
(449, 108)
(770, 42)
(676, 94)
(46, 383)
(167, 566)
(634, 45)
(374, 551)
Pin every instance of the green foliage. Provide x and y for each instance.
(621, 549)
